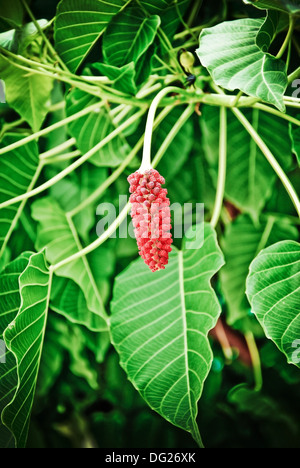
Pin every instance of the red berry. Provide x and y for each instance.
(151, 218)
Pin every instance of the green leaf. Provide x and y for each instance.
(280, 201)
(235, 55)
(17, 170)
(9, 307)
(71, 191)
(92, 128)
(24, 338)
(52, 360)
(250, 178)
(7, 40)
(128, 36)
(159, 327)
(295, 134)
(290, 6)
(27, 93)
(11, 15)
(122, 78)
(273, 292)
(179, 149)
(78, 26)
(57, 234)
(168, 11)
(68, 338)
(241, 243)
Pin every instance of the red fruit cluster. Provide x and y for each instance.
(151, 218)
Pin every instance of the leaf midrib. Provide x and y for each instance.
(185, 329)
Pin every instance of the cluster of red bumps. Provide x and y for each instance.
(151, 218)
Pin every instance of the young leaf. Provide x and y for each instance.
(123, 78)
(235, 55)
(18, 169)
(9, 307)
(24, 338)
(27, 93)
(159, 327)
(128, 36)
(78, 26)
(91, 129)
(274, 294)
(250, 178)
(57, 234)
(241, 243)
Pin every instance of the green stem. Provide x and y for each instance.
(114, 226)
(289, 54)
(87, 266)
(97, 243)
(197, 436)
(276, 112)
(270, 158)
(50, 129)
(287, 39)
(176, 128)
(146, 162)
(255, 358)
(237, 98)
(62, 157)
(7, 127)
(58, 149)
(76, 164)
(194, 13)
(185, 25)
(20, 209)
(222, 168)
(266, 234)
(72, 80)
(43, 35)
(114, 176)
(293, 76)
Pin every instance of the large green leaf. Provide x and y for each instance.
(27, 93)
(24, 338)
(56, 233)
(17, 169)
(235, 54)
(92, 128)
(274, 294)
(290, 6)
(78, 26)
(242, 241)
(250, 178)
(128, 36)
(159, 326)
(9, 306)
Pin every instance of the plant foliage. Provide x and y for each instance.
(91, 341)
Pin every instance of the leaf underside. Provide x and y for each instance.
(274, 293)
(234, 53)
(159, 326)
